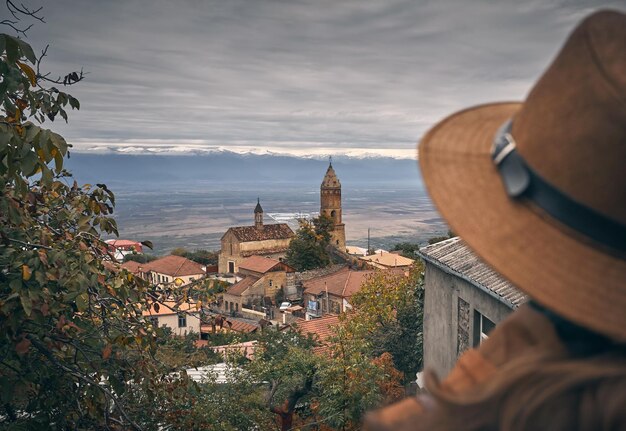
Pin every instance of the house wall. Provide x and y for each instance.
(278, 280)
(171, 321)
(230, 242)
(170, 279)
(449, 306)
(229, 251)
(229, 299)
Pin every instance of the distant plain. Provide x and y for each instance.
(184, 208)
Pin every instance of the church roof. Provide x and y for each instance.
(258, 208)
(330, 179)
(267, 232)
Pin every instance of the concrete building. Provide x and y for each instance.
(330, 294)
(121, 247)
(464, 300)
(241, 242)
(330, 206)
(180, 318)
(262, 278)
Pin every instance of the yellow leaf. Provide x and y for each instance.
(29, 72)
(25, 273)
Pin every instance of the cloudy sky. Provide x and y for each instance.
(292, 76)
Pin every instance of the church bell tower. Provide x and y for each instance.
(258, 215)
(330, 206)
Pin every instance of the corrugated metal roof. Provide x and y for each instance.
(454, 256)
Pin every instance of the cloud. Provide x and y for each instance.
(292, 75)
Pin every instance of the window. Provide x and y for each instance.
(231, 267)
(236, 307)
(482, 327)
(182, 320)
(271, 284)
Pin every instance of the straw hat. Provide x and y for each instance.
(542, 198)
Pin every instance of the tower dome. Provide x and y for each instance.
(330, 179)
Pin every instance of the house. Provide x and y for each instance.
(464, 300)
(241, 242)
(330, 294)
(321, 329)
(221, 323)
(356, 251)
(172, 269)
(121, 247)
(386, 260)
(182, 318)
(263, 277)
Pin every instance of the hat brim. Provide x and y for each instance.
(552, 265)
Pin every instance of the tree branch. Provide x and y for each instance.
(42, 349)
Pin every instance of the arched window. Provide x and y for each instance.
(332, 213)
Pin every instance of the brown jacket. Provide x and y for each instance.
(523, 331)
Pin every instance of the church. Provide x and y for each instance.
(272, 240)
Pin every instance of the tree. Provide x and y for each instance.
(203, 257)
(351, 381)
(388, 312)
(72, 333)
(284, 360)
(309, 249)
(407, 249)
(139, 257)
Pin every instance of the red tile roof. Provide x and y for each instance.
(174, 266)
(241, 286)
(171, 307)
(321, 328)
(233, 325)
(343, 283)
(268, 231)
(259, 264)
(132, 266)
(123, 242)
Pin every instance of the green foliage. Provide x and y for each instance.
(203, 257)
(388, 313)
(139, 257)
(176, 353)
(347, 381)
(437, 239)
(407, 249)
(72, 334)
(309, 248)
